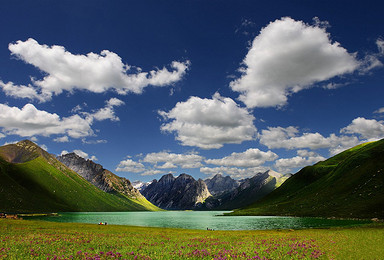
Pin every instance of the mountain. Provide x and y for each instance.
(183, 192)
(32, 180)
(348, 185)
(248, 191)
(219, 184)
(99, 177)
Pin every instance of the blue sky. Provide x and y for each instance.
(147, 88)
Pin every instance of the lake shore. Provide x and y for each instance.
(23, 239)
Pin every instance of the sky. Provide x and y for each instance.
(147, 88)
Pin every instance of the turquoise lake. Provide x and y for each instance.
(198, 220)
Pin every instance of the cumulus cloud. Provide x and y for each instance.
(30, 121)
(106, 112)
(21, 91)
(380, 45)
(209, 123)
(289, 138)
(93, 72)
(370, 129)
(2, 135)
(152, 172)
(81, 154)
(303, 158)
(234, 172)
(379, 111)
(249, 158)
(101, 141)
(63, 139)
(130, 166)
(172, 160)
(286, 57)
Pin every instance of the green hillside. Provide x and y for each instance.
(31, 180)
(348, 185)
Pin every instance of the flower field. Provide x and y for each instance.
(20, 239)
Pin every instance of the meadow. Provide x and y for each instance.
(26, 239)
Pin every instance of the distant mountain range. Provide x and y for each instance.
(183, 192)
(348, 185)
(247, 191)
(218, 192)
(32, 180)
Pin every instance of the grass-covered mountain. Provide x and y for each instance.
(100, 177)
(32, 180)
(248, 191)
(348, 185)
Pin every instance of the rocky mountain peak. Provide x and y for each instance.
(183, 192)
(98, 176)
(219, 184)
(167, 178)
(272, 173)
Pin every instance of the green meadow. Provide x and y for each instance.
(26, 239)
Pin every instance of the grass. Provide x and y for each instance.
(37, 186)
(21, 239)
(348, 185)
(34, 181)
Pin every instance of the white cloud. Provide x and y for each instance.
(379, 111)
(106, 112)
(30, 121)
(64, 152)
(234, 172)
(172, 160)
(279, 137)
(249, 158)
(303, 158)
(380, 45)
(85, 155)
(20, 91)
(286, 57)
(370, 129)
(44, 147)
(102, 141)
(81, 154)
(152, 172)
(93, 72)
(130, 166)
(209, 123)
(63, 139)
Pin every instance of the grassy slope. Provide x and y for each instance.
(350, 184)
(37, 186)
(44, 240)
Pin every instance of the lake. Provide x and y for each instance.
(198, 220)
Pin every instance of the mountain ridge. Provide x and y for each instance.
(183, 192)
(248, 191)
(32, 180)
(347, 185)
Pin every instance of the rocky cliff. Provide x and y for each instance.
(248, 191)
(219, 184)
(98, 176)
(183, 192)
